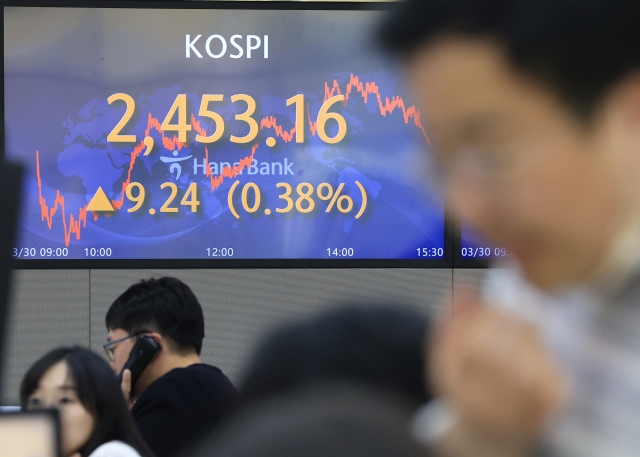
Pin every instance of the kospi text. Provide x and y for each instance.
(216, 46)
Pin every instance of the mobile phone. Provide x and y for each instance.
(141, 355)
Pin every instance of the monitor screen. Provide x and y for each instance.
(29, 434)
(215, 132)
(474, 251)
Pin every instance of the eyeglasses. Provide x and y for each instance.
(482, 167)
(109, 347)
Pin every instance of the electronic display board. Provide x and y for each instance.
(471, 250)
(215, 132)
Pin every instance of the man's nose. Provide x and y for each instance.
(471, 203)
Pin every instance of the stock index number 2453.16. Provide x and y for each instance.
(184, 124)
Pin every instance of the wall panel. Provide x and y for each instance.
(49, 308)
(242, 305)
(61, 307)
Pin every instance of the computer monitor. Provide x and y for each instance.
(30, 434)
(472, 251)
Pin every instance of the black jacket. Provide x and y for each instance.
(178, 408)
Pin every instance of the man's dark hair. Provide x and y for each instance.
(579, 48)
(377, 345)
(165, 305)
(325, 420)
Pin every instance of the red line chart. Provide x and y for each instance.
(77, 220)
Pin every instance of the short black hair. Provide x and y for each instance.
(381, 345)
(333, 419)
(166, 305)
(579, 48)
(98, 391)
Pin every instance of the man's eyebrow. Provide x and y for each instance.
(473, 127)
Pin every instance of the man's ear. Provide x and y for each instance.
(158, 339)
(624, 103)
(633, 108)
(618, 131)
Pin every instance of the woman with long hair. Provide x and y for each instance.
(94, 418)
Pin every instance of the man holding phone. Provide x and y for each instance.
(156, 328)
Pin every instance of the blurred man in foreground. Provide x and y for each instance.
(534, 109)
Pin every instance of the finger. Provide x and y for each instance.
(466, 313)
(477, 351)
(515, 388)
(494, 336)
(126, 384)
(465, 299)
(540, 374)
(447, 346)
